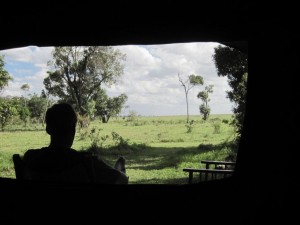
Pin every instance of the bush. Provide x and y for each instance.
(97, 140)
(189, 126)
(225, 121)
(216, 122)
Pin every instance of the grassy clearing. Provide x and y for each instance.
(157, 148)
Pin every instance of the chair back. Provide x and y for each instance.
(19, 166)
(83, 172)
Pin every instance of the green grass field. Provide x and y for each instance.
(156, 148)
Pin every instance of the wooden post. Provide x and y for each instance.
(190, 177)
(206, 174)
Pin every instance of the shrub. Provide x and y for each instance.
(189, 126)
(225, 121)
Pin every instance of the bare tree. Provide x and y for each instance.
(188, 84)
(25, 88)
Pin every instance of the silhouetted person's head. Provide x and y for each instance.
(61, 123)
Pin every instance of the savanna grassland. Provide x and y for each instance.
(156, 148)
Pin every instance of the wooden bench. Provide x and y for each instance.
(211, 173)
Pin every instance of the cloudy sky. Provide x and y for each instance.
(150, 77)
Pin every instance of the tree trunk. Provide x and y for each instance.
(104, 119)
(187, 108)
(44, 116)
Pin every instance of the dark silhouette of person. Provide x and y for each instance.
(59, 162)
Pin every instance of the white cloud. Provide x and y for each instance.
(150, 76)
(34, 75)
(33, 54)
(34, 81)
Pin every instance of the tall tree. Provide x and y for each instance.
(187, 85)
(107, 107)
(204, 96)
(46, 95)
(4, 75)
(77, 73)
(234, 64)
(25, 88)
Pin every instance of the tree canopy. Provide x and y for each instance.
(25, 87)
(4, 75)
(77, 73)
(107, 107)
(234, 64)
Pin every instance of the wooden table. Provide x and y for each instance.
(212, 171)
(227, 164)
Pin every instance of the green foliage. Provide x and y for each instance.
(132, 116)
(204, 111)
(77, 73)
(189, 126)
(91, 109)
(116, 104)
(217, 127)
(225, 121)
(100, 146)
(25, 87)
(196, 80)
(119, 141)
(204, 96)
(37, 106)
(96, 139)
(24, 114)
(83, 134)
(7, 111)
(107, 107)
(234, 65)
(216, 122)
(6, 167)
(4, 75)
(83, 121)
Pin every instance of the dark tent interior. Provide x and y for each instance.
(264, 183)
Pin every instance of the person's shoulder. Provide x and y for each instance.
(33, 156)
(34, 152)
(87, 156)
